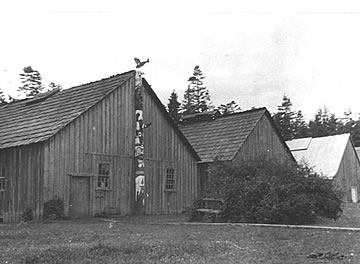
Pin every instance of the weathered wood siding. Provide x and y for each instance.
(22, 167)
(103, 133)
(163, 148)
(349, 172)
(264, 141)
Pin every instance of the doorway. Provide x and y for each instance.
(80, 196)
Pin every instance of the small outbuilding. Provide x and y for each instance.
(87, 145)
(333, 157)
(234, 137)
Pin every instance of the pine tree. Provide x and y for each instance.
(229, 108)
(174, 107)
(2, 97)
(31, 82)
(285, 118)
(54, 86)
(324, 124)
(196, 96)
(300, 127)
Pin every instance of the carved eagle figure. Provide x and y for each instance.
(139, 63)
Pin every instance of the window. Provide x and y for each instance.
(103, 175)
(170, 180)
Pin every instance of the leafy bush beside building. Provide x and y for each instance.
(262, 191)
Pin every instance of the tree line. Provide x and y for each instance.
(196, 99)
(31, 85)
(292, 125)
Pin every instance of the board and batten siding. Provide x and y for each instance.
(104, 133)
(163, 149)
(264, 141)
(23, 171)
(348, 173)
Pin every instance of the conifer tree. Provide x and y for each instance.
(196, 96)
(324, 124)
(284, 119)
(31, 82)
(174, 107)
(53, 86)
(2, 97)
(229, 108)
(300, 127)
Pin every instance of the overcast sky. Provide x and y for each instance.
(251, 53)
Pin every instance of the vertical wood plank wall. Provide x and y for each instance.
(263, 140)
(103, 133)
(349, 172)
(23, 171)
(163, 148)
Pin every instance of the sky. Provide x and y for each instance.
(252, 53)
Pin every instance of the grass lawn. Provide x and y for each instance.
(149, 240)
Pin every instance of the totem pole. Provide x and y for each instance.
(139, 136)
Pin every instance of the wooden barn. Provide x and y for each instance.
(87, 144)
(333, 157)
(235, 137)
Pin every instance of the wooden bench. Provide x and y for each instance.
(211, 206)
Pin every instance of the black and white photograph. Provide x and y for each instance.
(179, 131)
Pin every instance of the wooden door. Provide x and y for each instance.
(80, 197)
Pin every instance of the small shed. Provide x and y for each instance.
(234, 137)
(87, 144)
(333, 157)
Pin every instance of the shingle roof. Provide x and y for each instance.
(221, 137)
(37, 119)
(323, 154)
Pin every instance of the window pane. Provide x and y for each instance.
(170, 179)
(103, 175)
(104, 169)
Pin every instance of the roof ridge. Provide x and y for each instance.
(252, 129)
(66, 89)
(177, 129)
(95, 102)
(101, 80)
(71, 103)
(221, 116)
(263, 108)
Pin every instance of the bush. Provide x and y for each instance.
(54, 209)
(262, 191)
(27, 215)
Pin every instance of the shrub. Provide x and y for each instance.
(54, 209)
(263, 191)
(27, 214)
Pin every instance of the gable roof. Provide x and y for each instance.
(221, 137)
(37, 119)
(324, 154)
(169, 119)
